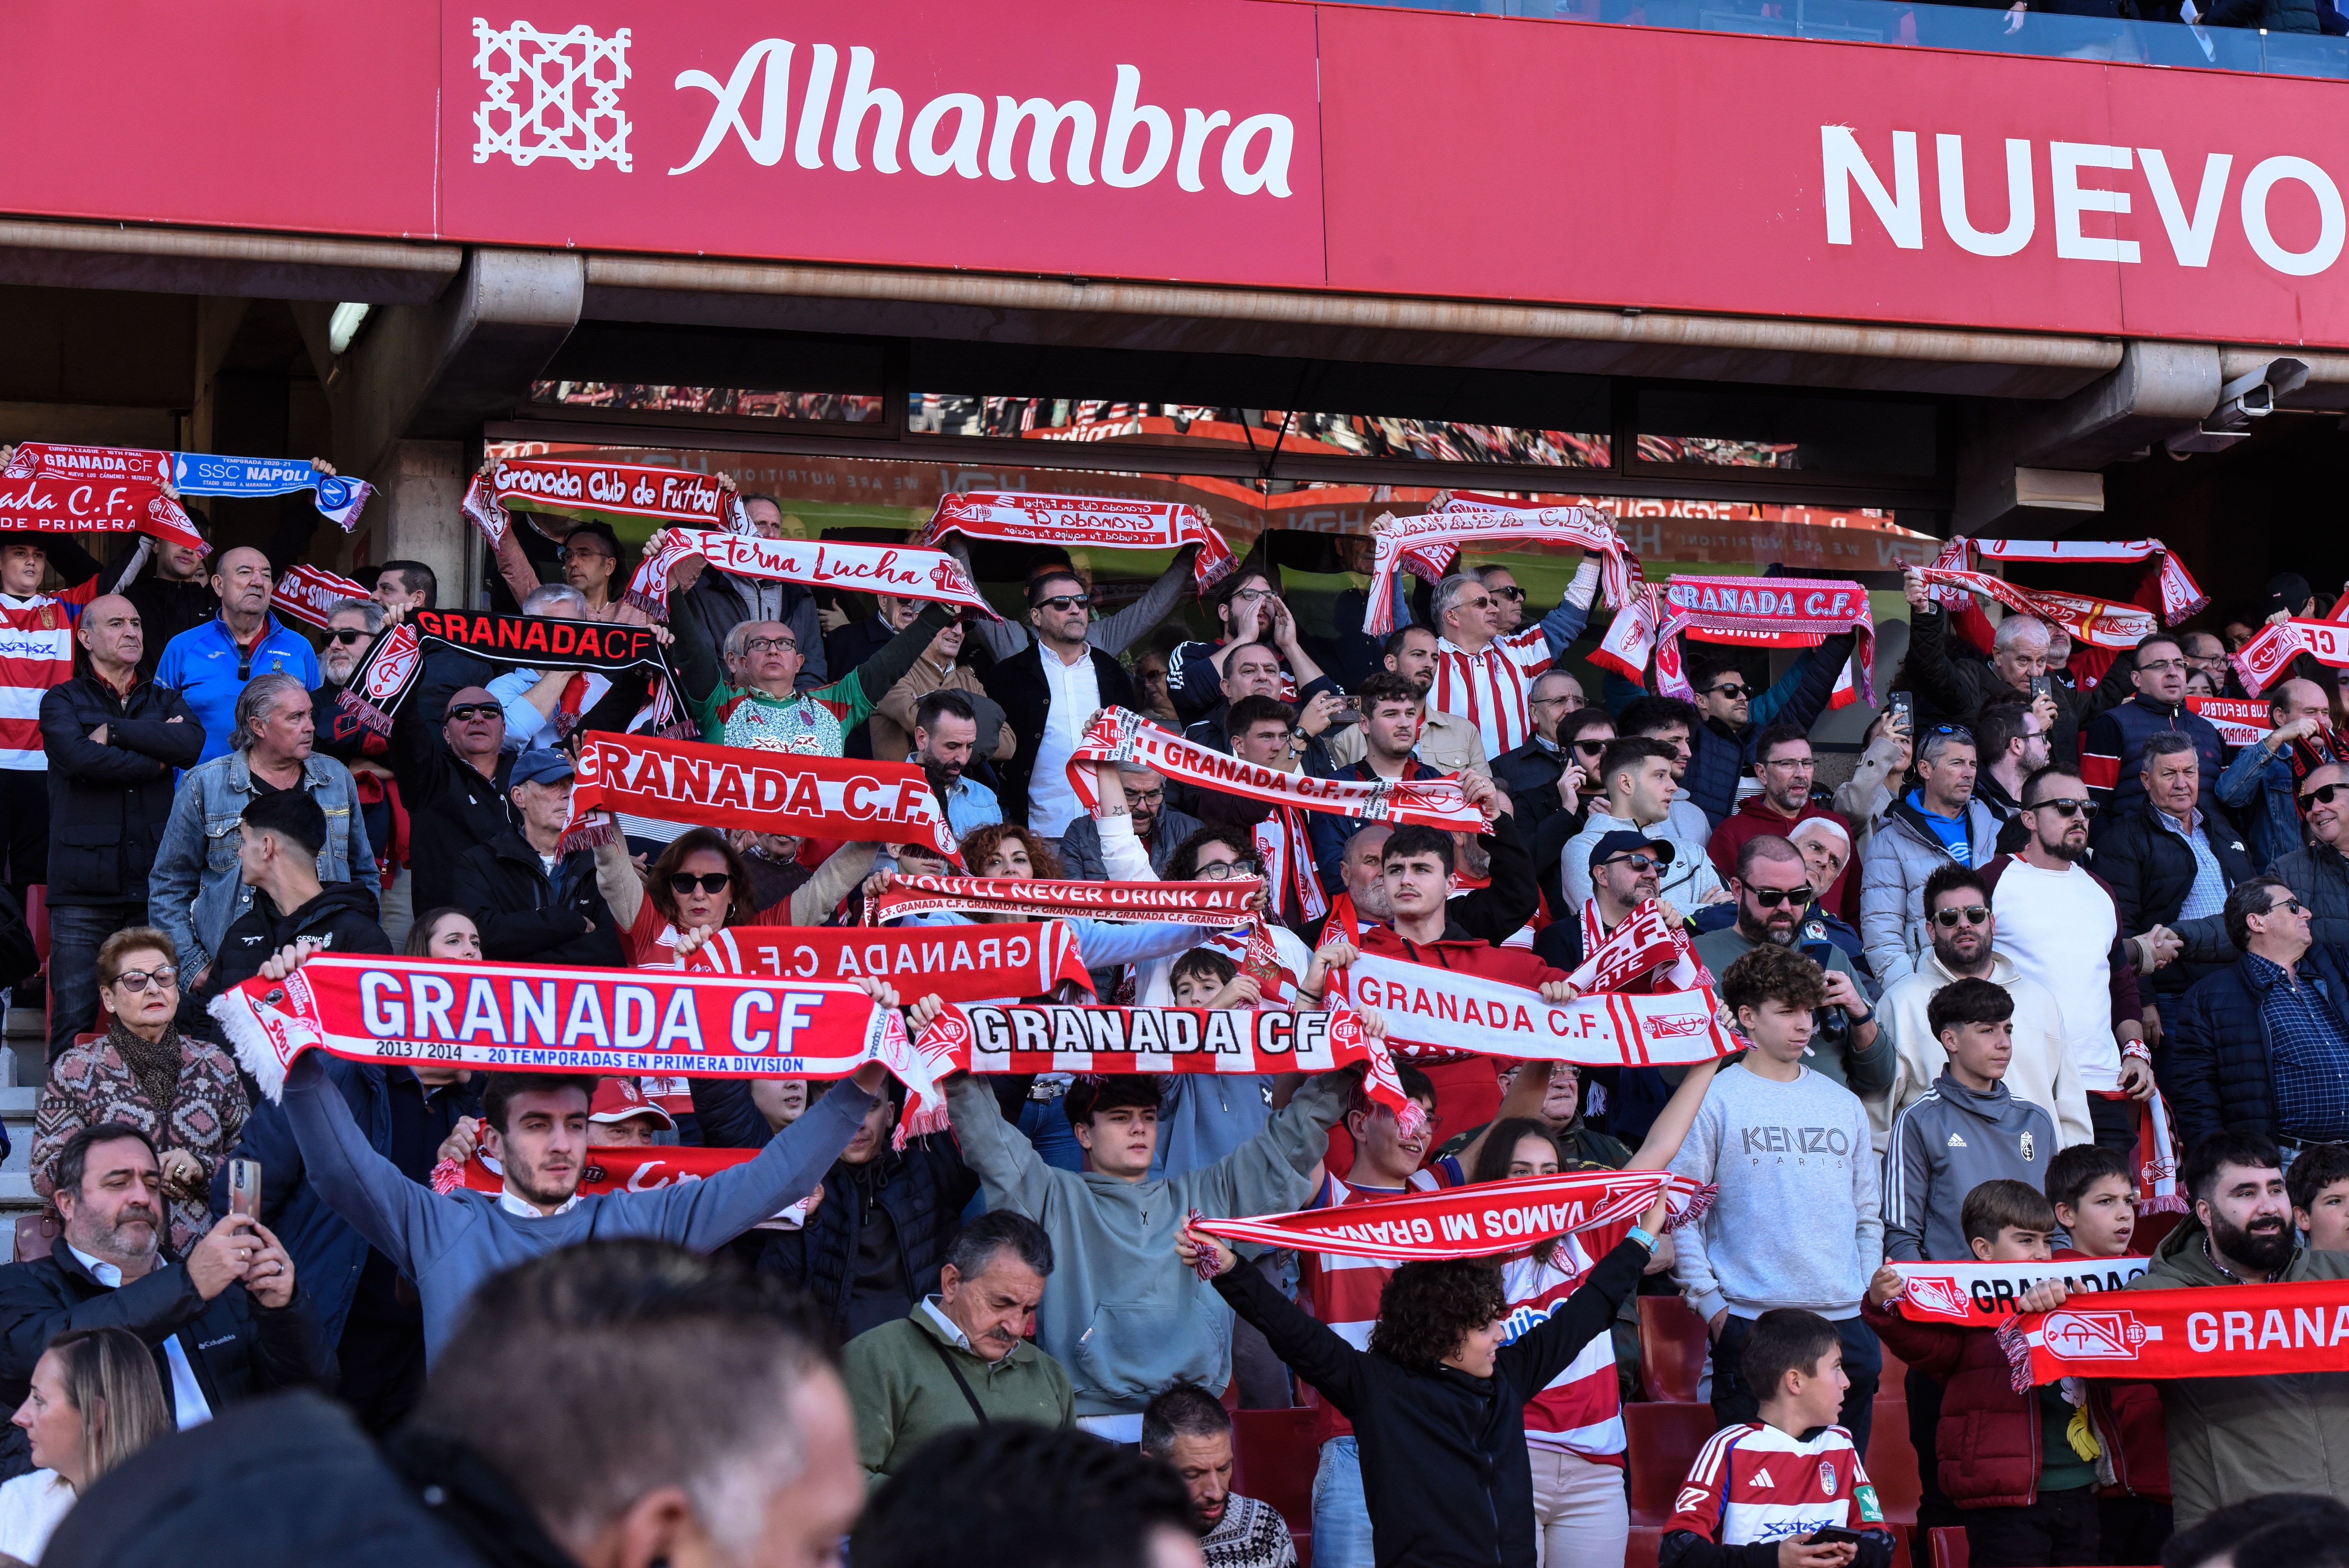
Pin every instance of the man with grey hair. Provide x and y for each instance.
(534, 702)
(1484, 676)
(2169, 860)
(352, 627)
(961, 1355)
(2116, 737)
(2319, 874)
(195, 893)
(720, 600)
(2259, 785)
(1956, 688)
(1937, 823)
(1531, 773)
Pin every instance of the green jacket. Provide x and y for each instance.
(904, 1396)
(2231, 1438)
(709, 696)
(1122, 1314)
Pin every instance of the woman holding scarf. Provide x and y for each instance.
(701, 884)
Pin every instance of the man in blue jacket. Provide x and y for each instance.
(2258, 785)
(211, 665)
(2262, 1046)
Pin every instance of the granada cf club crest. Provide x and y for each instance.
(1828, 1477)
(2105, 1335)
(1938, 1293)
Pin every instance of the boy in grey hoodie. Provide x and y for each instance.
(1966, 1130)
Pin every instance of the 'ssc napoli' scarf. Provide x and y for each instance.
(1018, 517)
(2223, 1331)
(1482, 1221)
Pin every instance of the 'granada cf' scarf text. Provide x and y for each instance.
(1018, 517)
(582, 489)
(1984, 1294)
(1119, 735)
(767, 791)
(956, 962)
(50, 488)
(532, 642)
(2219, 1331)
(1440, 1010)
(1652, 623)
(901, 570)
(534, 1017)
(1182, 904)
(1429, 543)
(1482, 1221)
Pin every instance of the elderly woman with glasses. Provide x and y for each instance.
(182, 1092)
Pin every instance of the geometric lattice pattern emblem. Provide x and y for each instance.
(551, 96)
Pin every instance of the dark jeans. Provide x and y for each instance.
(2132, 1529)
(1934, 1507)
(382, 1362)
(76, 932)
(2115, 1121)
(2058, 1529)
(24, 807)
(1863, 1363)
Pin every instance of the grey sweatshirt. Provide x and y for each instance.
(447, 1243)
(1122, 1313)
(1797, 1168)
(1945, 1143)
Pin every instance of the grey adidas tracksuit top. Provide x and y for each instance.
(1942, 1146)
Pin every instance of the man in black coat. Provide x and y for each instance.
(2169, 861)
(453, 776)
(531, 903)
(278, 859)
(1048, 711)
(114, 743)
(225, 1323)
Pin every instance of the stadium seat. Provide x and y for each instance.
(1949, 1546)
(1663, 1440)
(1891, 1462)
(1671, 1348)
(1647, 1540)
(1274, 1458)
(2151, 1229)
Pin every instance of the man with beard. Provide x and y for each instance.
(211, 665)
(2231, 1438)
(1773, 888)
(1392, 709)
(1626, 869)
(1159, 826)
(1188, 1430)
(2319, 874)
(2262, 1046)
(352, 627)
(225, 1322)
(946, 734)
(2061, 925)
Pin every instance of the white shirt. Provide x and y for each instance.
(524, 1208)
(2058, 927)
(1492, 687)
(31, 1508)
(189, 1405)
(1076, 698)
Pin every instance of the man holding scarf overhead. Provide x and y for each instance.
(766, 709)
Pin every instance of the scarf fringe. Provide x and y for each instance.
(251, 1045)
(2016, 1346)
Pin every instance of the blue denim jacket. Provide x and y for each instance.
(195, 893)
(2258, 789)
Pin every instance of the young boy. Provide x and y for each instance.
(1781, 1140)
(1967, 1129)
(2096, 1201)
(1761, 1491)
(2012, 1462)
(2319, 1184)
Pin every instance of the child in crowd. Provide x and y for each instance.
(2021, 1466)
(1786, 1491)
(2095, 1202)
(1967, 1128)
(2319, 1184)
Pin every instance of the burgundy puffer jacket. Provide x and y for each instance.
(1987, 1442)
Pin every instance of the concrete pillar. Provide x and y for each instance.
(414, 517)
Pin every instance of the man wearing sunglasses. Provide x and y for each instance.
(1783, 764)
(2061, 926)
(1048, 692)
(453, 780)
(2319, 874)
(2263, 784)
(1485, 675)
(2111, 750)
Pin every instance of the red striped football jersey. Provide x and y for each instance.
(1579, 1410)
(36, 652)
(1751, 1482)
(1492, 688)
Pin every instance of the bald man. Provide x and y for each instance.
(211, 665)
(2259, 785)
(114, 745)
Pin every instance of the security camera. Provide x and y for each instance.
(2247, 398)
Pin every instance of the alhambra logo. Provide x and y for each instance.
(551, 95)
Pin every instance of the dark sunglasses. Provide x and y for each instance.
(347, 637)
(1973, 914)
(1514, 595)
(683, 882)
(2292, 904)
(1640, 863)
(1772, 897)
(2067, 809)
(1733, 691)
(1064, 602)
(1592, 748)
(464, 710)
(2323, 794)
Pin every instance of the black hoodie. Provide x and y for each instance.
(342, 918)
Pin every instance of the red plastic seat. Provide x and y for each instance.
(1949, 1546)
(36, 916)
(1647, 1540)
(1891, 1462)
(1673, 1348)
(1274, 1458)
(1663, 1440)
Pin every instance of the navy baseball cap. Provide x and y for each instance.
(1624, 842)
(546, 765)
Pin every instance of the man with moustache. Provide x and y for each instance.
(2233, 1439)
(352, 627)
(2319, 874)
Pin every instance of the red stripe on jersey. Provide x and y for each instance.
(1491, 688)
(1579, 1410)
(1344, 1287)
(1751, 1482)
(2099, 772)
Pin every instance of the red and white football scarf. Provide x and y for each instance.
(50, 488)
(2172, 591)
(534, 642)
(582, 489)
(308, 593)
(957, 963)
(1646, 943)
(537, 1017)
(1982, 1295)
(1651, 624)
(2097, 623)
(1182, 904)
(1482, 1221)
(623, 1168)
(2217, 1331)
(1286, 851)
(2267, 656)
(1429, 543)
(729, 786)
(2158, 1191)
(1119, 735)
(1445, 1010)
(1018, 517)
(2239, 721)
(899, 570)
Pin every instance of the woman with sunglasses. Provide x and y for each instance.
(182, 1092)
(701, 884)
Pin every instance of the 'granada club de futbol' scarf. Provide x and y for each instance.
(50, 488)
(1482, 1221)
(1428, 1009)
(1652, 623)
(730, 787)
(1429, 543)
(2171, 589)
(1119, 735)
(2219, 1331)
(535, 1017)
(1984, 1294)
(955, 962)
(581, 488)
(1018, 517)
(902, 571)
(1182, 904)
(532, 642)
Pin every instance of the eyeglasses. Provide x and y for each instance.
(1224, 871)
(1251, 595)
(1573, 701)
(683, 882)
(2323, 794)
(1732, 691)
(1796, 764)
(1145, 796)
(1514, 595)
(347, 637)
(135, 980)
(771, 646)
(1067, 602)
(2159, 666)
(1772, 897)
(460, 711)
(1640, 863)
(2067, 809)
(1973, 914)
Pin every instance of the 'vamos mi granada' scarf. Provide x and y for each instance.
(1482, 1221)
